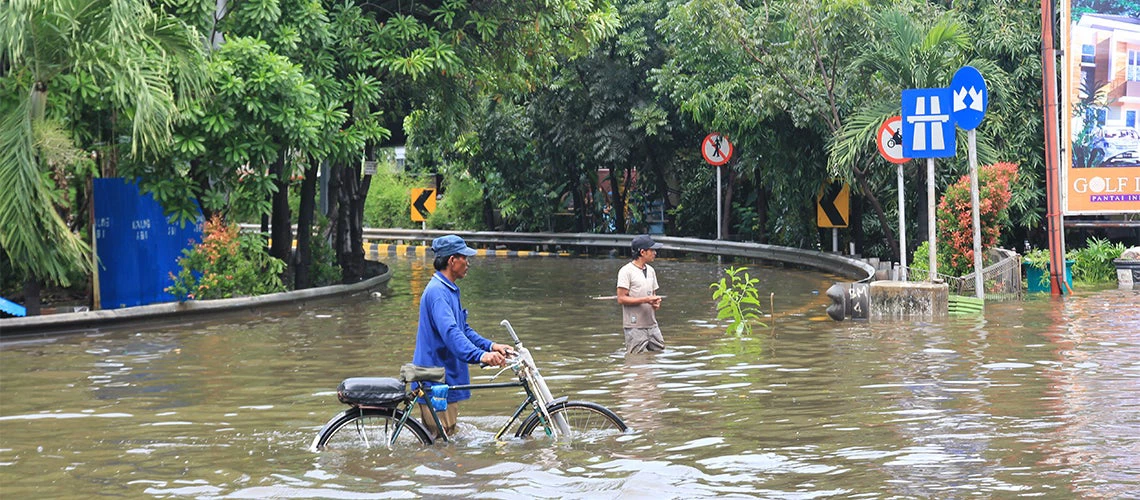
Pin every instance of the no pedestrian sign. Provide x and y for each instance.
(716, 149)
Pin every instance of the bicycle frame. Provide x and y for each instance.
(400, 410)
(538, 395)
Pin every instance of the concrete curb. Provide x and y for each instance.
(54, 324)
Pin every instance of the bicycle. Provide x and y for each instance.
(381, 409)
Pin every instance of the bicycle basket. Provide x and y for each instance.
(371, 391)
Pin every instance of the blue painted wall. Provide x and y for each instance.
(138, 248)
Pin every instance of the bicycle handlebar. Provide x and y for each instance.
(511, 330)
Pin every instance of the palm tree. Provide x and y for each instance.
(911, 53)
(148, 64)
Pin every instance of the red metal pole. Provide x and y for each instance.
(1052, 146)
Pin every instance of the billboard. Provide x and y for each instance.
(1101, 103)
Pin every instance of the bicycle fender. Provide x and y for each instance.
(316, 439)
(562, 399)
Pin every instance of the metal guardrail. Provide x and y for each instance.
(853, 269)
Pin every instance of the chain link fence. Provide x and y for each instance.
(1001, 279)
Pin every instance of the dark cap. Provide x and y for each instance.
(644, 242)
(451, 245)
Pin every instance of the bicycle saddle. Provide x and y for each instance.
(412, 373)
(370, 391)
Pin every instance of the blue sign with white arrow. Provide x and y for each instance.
(927, 127)
(971, 97)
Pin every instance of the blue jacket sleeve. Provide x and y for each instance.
(454, 332)
(474, 336)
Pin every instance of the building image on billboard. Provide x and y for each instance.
(1102, 96)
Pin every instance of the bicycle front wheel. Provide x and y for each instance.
(587, 421)
(357, 428)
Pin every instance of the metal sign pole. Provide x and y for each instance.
(930, 220)
(718, 209)
(902, 227)
(972, 151)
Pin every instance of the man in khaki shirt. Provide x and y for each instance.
(637, 294)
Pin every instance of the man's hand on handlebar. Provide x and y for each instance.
(497, 356)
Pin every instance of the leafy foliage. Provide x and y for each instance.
(1093, 263)
(131, 59)
(389, 201)
(325, 270)
(955, 215)
(737, 301)
(461, 208)
(227, 263)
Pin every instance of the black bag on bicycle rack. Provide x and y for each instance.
(371, 391)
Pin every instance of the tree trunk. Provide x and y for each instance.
(338, 223)
(203, 183)
(303, 277)
(726, 205)
(889, 238)
(357, 227)
(672, 193)
(579, 208)
(762, 214)
(32, 296)
(617, 203)
(282, 235)
(351, 191)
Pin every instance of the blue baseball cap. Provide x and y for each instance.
(451, 245)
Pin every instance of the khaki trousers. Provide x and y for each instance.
(449, 418)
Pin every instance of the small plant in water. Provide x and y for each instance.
(737, 300)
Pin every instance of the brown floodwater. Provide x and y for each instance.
(1038, 398)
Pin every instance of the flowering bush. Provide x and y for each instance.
(955, 216)
(227, 263)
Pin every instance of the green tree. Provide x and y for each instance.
(1009, 34)
(540, 151)
(914, 47)
(142, 63)
(460, 118)
(768, 77)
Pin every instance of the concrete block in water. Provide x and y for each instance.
(909, 300)
(1128, 269)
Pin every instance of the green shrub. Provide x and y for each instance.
(920, 265)
(227, 263)
(325, 270)
(461, 208)
(1093, 263)
(389, 203)
(955, 216)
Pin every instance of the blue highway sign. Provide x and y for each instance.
(927, 128)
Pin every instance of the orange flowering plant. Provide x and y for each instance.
(227, 263)
(955, 216)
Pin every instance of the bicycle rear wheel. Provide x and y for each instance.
(357, 428)
(588, 421)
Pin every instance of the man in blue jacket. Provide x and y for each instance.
(444, 338)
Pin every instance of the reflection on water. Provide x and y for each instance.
(1038, 398)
